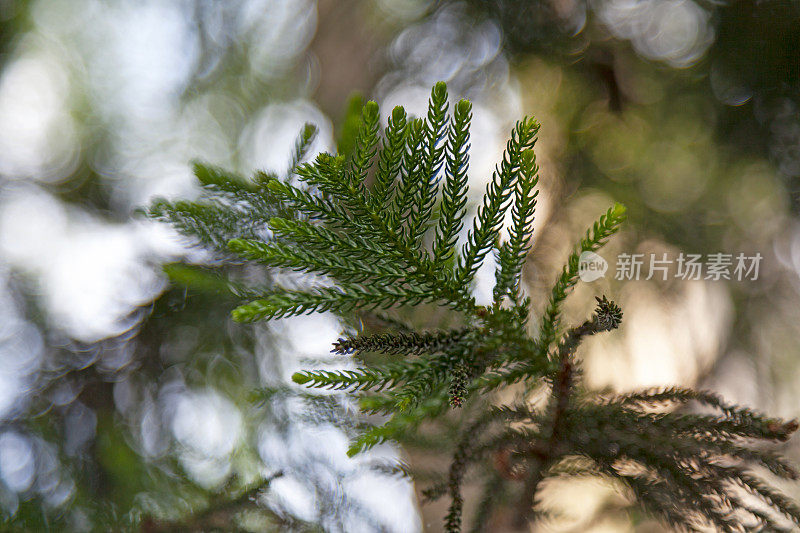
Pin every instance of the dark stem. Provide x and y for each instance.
(215, 514)
(562, 389)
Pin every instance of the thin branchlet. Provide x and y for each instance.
(454, 193)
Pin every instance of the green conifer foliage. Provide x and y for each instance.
(378, 228)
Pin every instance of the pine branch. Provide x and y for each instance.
(400, 424)
(313, 206)
(486, 225)
(410, 174)
(302, 145)
(220, 179)
(412, 343)
(431, 163)
(366, 147)
(353, 380)
(351, 269)
(390, 158)
(341, 299)
(511, 255)
(492, 493)
(346, 244)
(691, 470)
(462, 457)
(661, 396)
(211, 225)
(454, 194)
(435, 370)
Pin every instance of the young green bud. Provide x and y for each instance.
(463, 107)
(370, 112)
(439, 92)
(398, 114)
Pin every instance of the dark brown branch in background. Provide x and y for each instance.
(607, 317)
(218, 514)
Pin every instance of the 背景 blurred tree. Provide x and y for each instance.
(126, 403)
(685, 111)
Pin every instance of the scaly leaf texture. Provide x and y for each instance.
(511, 255)
(411, 343)
(351, 269)
(341, 299)
(410, 174)
(303, 145)
(489, 219)
(390, 158)
(433, 156)
(454, 192)
(366, 147)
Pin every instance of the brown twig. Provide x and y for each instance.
(215, 514)
(607, 316)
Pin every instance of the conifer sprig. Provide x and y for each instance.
(412, 343)
(364, 244)
(511, 254)
(454, 193)
(433, 156)
(341, 299)
(391, 155)
(410, 174)
(302, 145)
(366, 146)
(487, 223)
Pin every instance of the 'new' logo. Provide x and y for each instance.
(591, 266)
